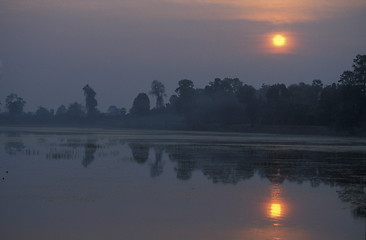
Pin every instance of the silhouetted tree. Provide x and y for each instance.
(359, 70)
(158, 90)
(185, 88)
(330, 104)
(226, 85)
(278, 104)
(357, 77)
(123, 111)
(61, 110)
(304, 102)
(222, 94)
(141, 105)
(278, 94)
(172, 105)
(43, 114)
(75, 111)
(61, 114)
(317, 83)
(226, 104)
(347, 78)
(186, 95)
(14, 105)
(90, 101)
(247, 96)
(113, 111)
(173, 99)
(353, 87)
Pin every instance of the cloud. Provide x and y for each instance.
(278, 11)
(270, 11)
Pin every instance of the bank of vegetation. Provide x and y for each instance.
(224, 104)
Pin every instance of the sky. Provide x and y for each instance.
(50, 49)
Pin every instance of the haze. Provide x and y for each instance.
(50, 49)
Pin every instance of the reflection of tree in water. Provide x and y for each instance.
(140, 152)
(221, 166)
(62, 154)
(237, 166)
(90, 149)
(185, 163)
(15, 144)
(64, 148)
(356, 195)
(231, 165)
(157, 167)
(31, 152)
(73, 143)
(276, 165)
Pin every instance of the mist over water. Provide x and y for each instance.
(94, 183)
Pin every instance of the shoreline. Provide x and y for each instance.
(236, 129)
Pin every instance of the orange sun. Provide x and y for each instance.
(279, 40)
(283, 42)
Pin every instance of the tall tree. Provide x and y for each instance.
(357, 77)
(278, 104)
(353, 87)
(141, 104)
(158, 90)
(75, 111)
(359, 70)
(222, 86)
(43, 114)
(61, 110)
(247, 96)
(185, 88)
(330, 104)
(14, 105)
(115, 111)
(90, 101)
(186, 96)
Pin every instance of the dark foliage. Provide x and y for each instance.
(158, 91)
(14, 105)
(141, 105)
(224, 104)
(90, 102)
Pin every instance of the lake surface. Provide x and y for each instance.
(63, 183)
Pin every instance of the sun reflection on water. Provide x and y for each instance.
(276, 206)
(276, 210)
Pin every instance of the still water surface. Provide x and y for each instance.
(103, 184)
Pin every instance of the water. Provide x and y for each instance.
(108, 184)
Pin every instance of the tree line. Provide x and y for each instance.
(222, 104)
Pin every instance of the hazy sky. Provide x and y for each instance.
(49, 49)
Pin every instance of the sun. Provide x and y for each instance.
(279, 40)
